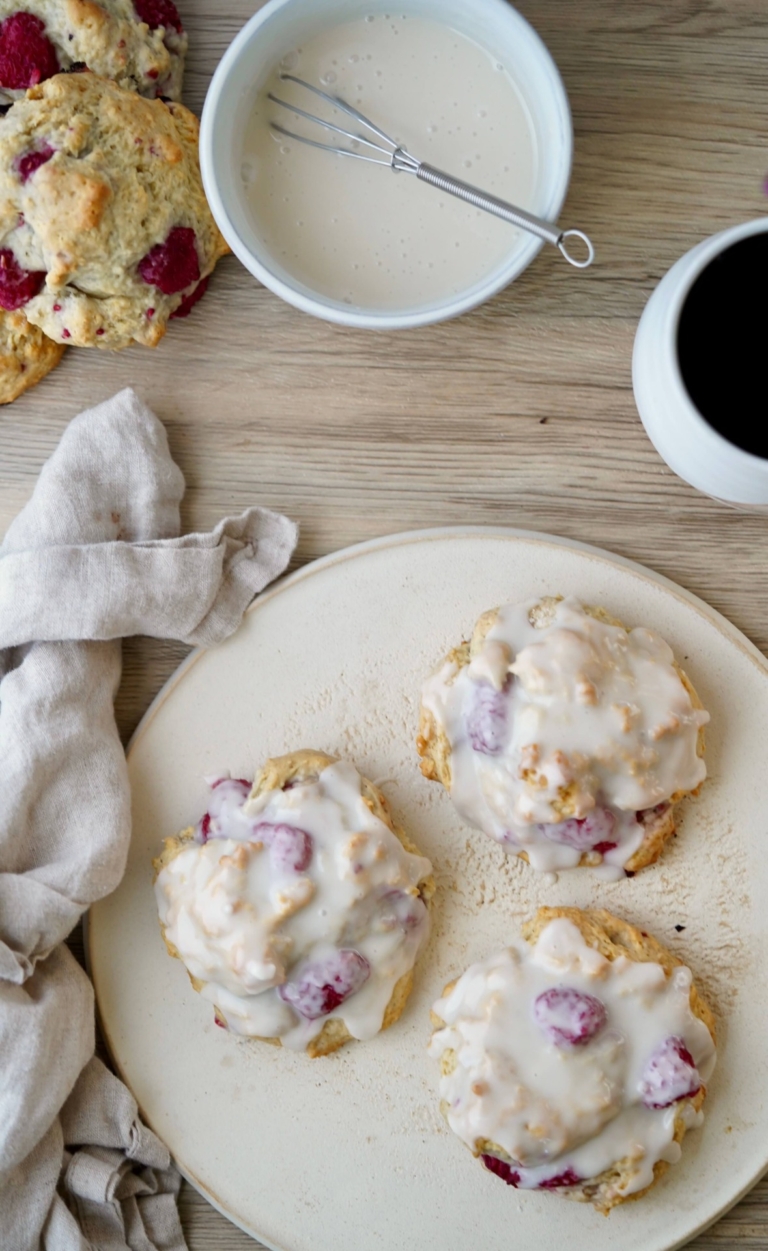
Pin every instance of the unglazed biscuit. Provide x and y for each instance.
(575, 1061)
(26, 355)
(565, 736)
(296, 905)
(140, 44)
(105, 231)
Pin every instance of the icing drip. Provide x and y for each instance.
(567, 738)
(570, 1063)
(295, 906)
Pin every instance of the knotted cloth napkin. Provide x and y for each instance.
(95, 555)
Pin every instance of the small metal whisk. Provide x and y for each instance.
(399, 159)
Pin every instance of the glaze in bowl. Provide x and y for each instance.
(250, 61)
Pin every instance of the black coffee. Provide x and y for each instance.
(722, 344)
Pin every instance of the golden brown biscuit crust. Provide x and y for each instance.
(302, 766)
(435, 750)
(612, 937)
(26, 355)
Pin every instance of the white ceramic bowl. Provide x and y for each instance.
(674, 425)
(280, 25)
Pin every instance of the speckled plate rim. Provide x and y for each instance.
(428, 535)
(441, 533)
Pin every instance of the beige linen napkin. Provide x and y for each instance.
(95, 555)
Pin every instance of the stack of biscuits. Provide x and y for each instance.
(105, 231)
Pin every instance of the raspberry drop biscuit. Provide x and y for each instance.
(296, 905)
(26, 355)
(105, 231)
(575, 1061)
(564, 736)
(140, 44)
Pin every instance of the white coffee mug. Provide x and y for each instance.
(688, 443)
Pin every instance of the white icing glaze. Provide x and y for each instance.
(561, 1109)
(288, 882)
(353, 231)
(577, 719)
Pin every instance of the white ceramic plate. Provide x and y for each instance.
(349, 1153)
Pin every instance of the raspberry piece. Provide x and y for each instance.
(173, 265)
(158, 13)
(397, 908)
(670, 1075)
(27, 56)
(228, 794)
(568, 1016)
(585, 833)
(17, 285)
(189, 301)
(224, 818)
(325, 984)
(604, 847)
(290, 849)
(486, 719)
(567, 1178)
(501, 1169)
(26, 165)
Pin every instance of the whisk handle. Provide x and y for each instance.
(508, 212)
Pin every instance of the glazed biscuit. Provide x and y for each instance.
(563, 735)
(617, 1023)
(297, 905)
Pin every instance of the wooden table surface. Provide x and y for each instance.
(520, 413)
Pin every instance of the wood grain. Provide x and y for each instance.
(520, 413)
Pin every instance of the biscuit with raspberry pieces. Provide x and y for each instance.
(323, 896)
(105, 231)
(140, 44)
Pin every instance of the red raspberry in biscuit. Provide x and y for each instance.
(501, 1169)
(173, 265)
(486, 719)
(158, 13)
(398, 909)
(31, 161)
(290, 849)
(325, 985)
(669, 1075)
(567, 1178)
(568, 1016)
(27, 56)
(189, 301)
(17, 285)
(591, 833)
